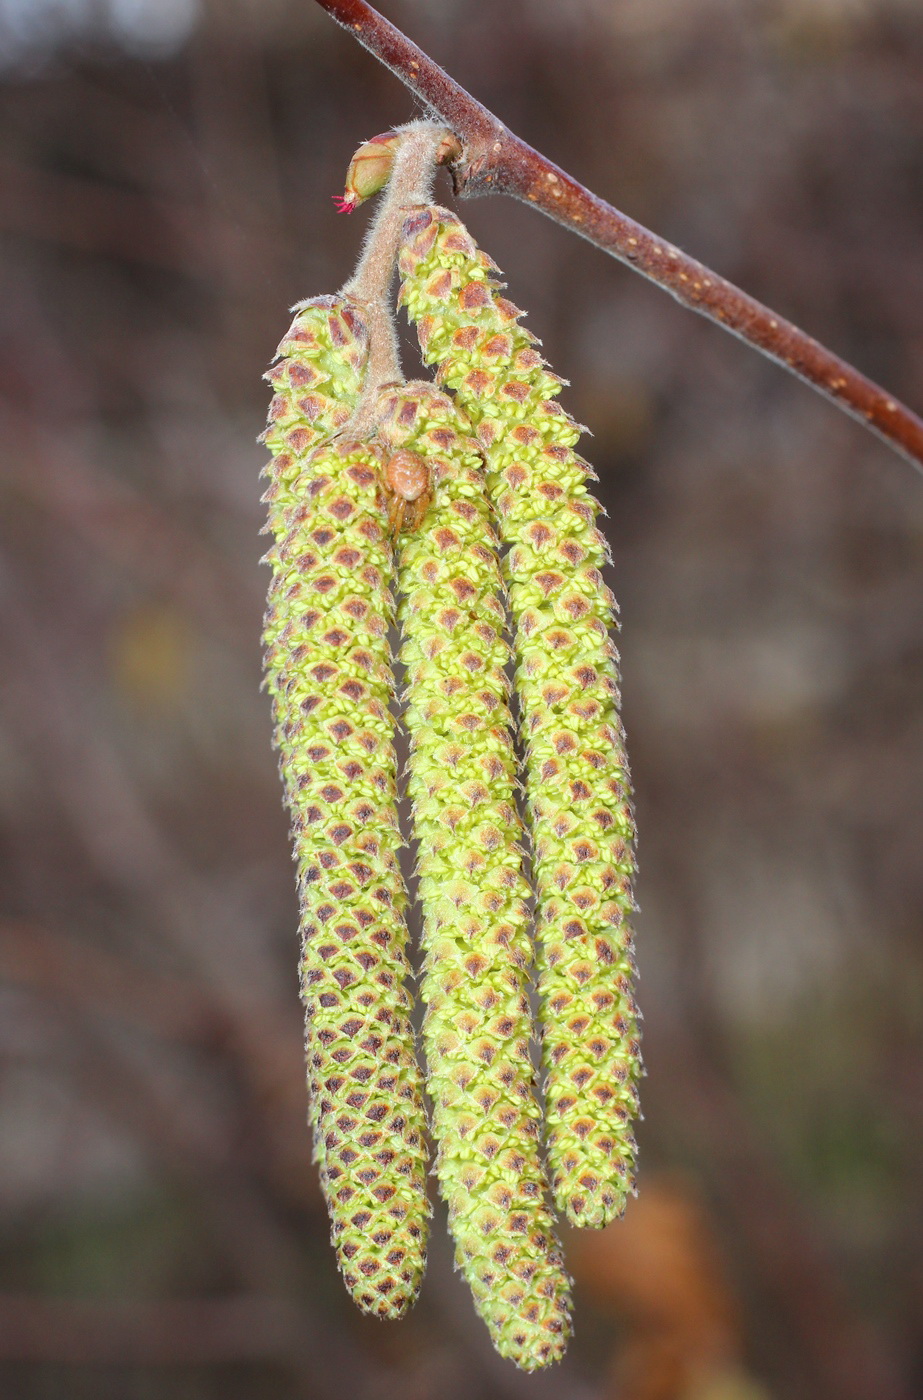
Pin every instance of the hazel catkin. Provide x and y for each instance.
(328, 670)
(567, 680)
(477, 1025)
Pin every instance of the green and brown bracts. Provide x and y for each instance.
(567, 679)
(328, 669)
(462, 778)
(317, 375)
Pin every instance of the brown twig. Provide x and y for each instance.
(494, 161)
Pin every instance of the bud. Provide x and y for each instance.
(577, 773)
(369, 171)
(370, 168)
(328, 669)
(462, 781)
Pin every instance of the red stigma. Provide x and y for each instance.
(345, 203)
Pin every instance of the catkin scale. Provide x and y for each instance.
(477, 1025)
(317, 377)
(567, 680)
(328, 670)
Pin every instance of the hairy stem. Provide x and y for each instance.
(411, 182)
(495, 161)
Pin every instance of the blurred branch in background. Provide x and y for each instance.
(199, 1332)
(164, 200)
(662, 1269)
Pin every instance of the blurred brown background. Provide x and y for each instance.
(165, 180)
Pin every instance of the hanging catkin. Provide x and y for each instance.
(567, 679)
(328, 669)
(477, 1027)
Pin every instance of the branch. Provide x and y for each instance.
(494, 161)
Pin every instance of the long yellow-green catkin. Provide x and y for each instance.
(317, 377)
(477, 1026)
(567, 678)
(328, 670)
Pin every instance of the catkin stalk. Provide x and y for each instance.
(477, 1026)
(328, 669)
(577, 773)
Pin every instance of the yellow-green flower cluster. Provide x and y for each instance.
(567, 680)
(328, 669)
(477, 1027)
(477, 480)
